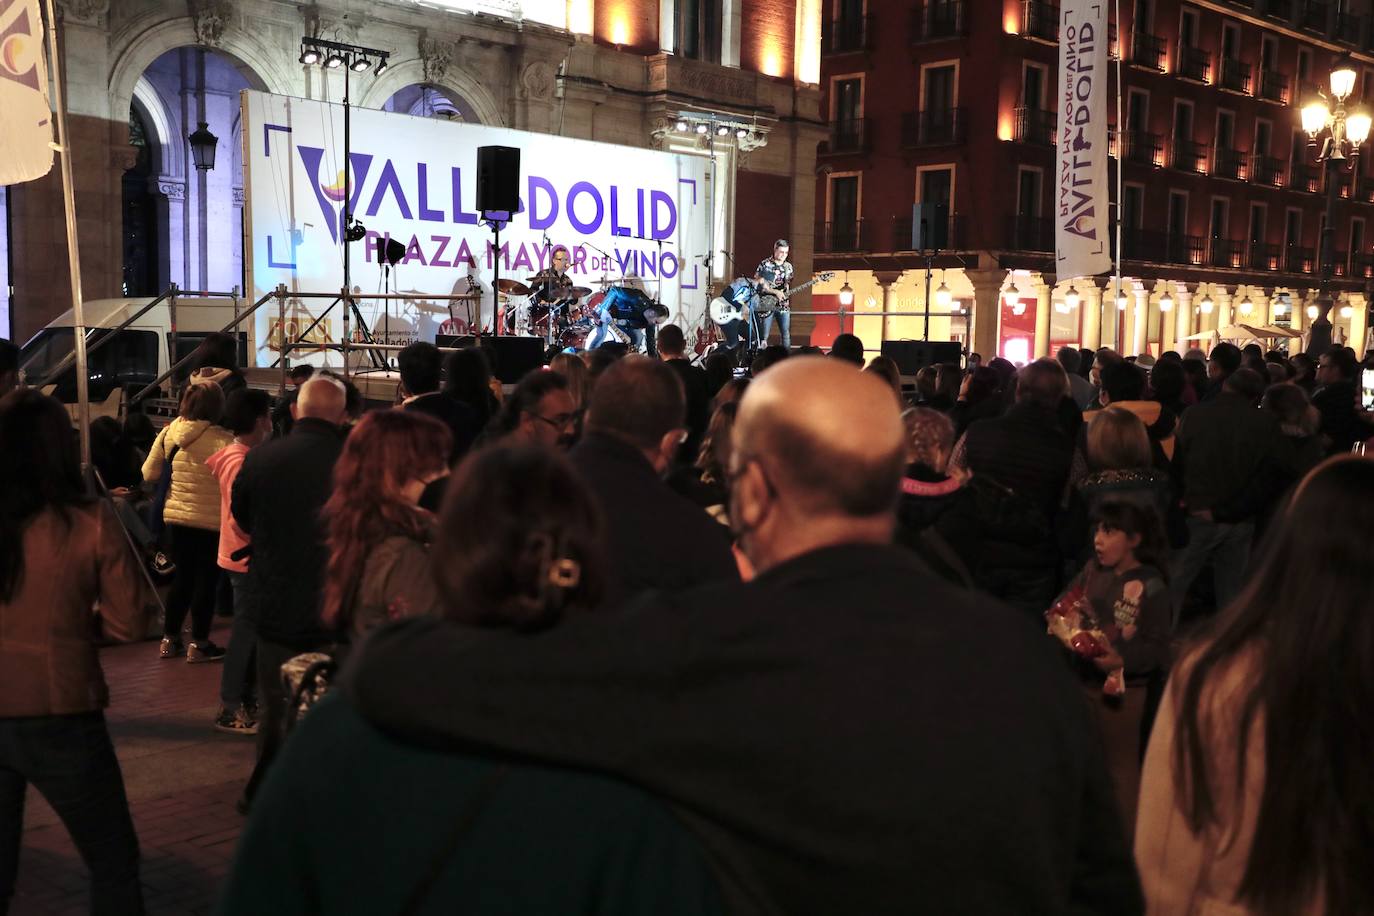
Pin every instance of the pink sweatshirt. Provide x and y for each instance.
(225, 464)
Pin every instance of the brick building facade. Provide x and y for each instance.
(949, 105)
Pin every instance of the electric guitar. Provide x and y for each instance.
(733, 305)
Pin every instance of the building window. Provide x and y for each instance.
(847, 99)
(1033, 86)
(845, 229)
(1259, 216)
(1263, 135)
(1187, 29)
(1356, 253)
(698, 29)
(1177, 227)
(938, 87)
(1137, 109)
(935, 195)
(1143, 17)
(1029, 182)
(1269, 52)
(1230, 41)
(1292, 241)
(1133, 206)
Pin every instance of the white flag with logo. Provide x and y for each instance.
(1081, 206)
(25, 116)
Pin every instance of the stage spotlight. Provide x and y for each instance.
(682, 127)
(360, 64)
(381, 67)
(355, 232)
(333, 62)
(722, 130)
(702, 129)
(741, 133)
(310, 56)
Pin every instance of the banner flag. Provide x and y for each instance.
(1082, 215)
(25, 116)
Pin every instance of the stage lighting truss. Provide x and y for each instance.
(336, 55)
(714, 128)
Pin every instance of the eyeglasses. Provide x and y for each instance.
(559, 421)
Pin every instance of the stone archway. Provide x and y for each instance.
(425, 100)
(455, 84)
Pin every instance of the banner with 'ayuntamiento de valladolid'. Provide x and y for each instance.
(1081, 204)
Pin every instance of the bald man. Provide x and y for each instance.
(277, 499)
(846, 734)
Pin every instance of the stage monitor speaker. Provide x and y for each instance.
(498, 179)
(512, 357)
(914, 355)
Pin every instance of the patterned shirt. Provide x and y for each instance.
(779, 276)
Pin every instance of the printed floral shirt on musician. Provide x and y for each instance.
(779, 276)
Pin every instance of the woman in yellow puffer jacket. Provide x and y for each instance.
(191, 514)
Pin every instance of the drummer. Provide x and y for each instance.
(553, 284)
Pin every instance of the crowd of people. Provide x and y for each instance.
(636, 636)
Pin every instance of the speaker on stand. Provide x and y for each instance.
(498, 198)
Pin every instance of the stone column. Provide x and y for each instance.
(987, 304)
(1359, 323)
(1141, 325)
(1042, 318)
(1224, 312)
(1183, 322)
(1091, 304)
(886, 280)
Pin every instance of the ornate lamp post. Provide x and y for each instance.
(1335, 137)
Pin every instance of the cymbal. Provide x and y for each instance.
(513, 287)
(580, 291)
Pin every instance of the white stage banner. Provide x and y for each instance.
(636, 216)
(25, 116)
(1081, 206)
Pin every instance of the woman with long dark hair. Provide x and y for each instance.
(467, 377)
(378, 535)
(1258, 793)
(519, 549)
(66, 576)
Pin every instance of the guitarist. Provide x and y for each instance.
(774, 276)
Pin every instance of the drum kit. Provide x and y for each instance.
(572, 317)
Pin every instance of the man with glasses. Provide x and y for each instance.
(540, 411)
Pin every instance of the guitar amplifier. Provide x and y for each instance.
(912, 356)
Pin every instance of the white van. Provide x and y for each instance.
(136, 356)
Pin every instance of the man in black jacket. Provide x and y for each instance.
(654, 537)
(1336, 400)
(420, 365)
(277, 499)
(1028, 452)
(846, 733)
(1233, 461)
(672, 347)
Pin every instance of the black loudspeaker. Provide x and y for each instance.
(498, 179)
(914, 355)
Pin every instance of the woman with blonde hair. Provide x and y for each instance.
(572, 368)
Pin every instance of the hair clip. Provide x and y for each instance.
(565, 573)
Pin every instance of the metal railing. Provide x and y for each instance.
(933, 127)
(1302, 177)
(1349, 28)
(1039, 20)
(1365, 189)
(849, 136)
(1147, 51)
(848, 34)
(1277, 9)
(1194, 64)
(1224, 253)
(1273, 87)
(1315, 16)
(1186, 155)
(1263, 257)
(1266, 170)
(1032, 125)
(1228, 163)
(938, 20)
(1362, 265)
(835, 237)
(1299, 260)
(1235, 76)
(1142, 148)
(1030, 233)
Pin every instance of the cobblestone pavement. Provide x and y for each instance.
(182, 777)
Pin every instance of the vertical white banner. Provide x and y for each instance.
(25, 116)
(1082, 216)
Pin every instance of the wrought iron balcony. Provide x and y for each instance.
(1349, 28)
(1266, 170)
(1307, 91)
(1187, 156)
(1035, 126)
(1142, 148)
(945, 235)
(850, 136)
(1277, 9)
(1194, 64)
(835, 237)
(1299, 260)
(1362, 265)
(1228, 163)
(1365, 189)
(1039, 20)
(848, 35)
(1235, 76)
(1224, 253)
(938, 20)
(1263, 257)
(933, 127)
(1147, 51)
(1302, 177)
(1185, 249)
(1273, 86)
(1340, 263)
(1030, 233)
(1315, 16)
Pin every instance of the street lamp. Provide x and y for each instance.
(846, 295)
(203, 145)
(1206, 305)
(942, 295)
(1166, 302)
(1246, 307)
(1335, 137)
(1071, 298)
